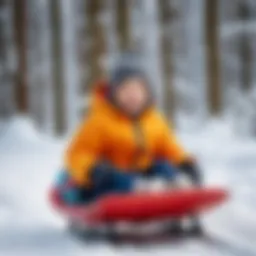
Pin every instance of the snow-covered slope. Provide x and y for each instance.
(28, 162)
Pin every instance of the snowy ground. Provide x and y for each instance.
(28, 163)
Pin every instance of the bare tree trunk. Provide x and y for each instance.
(122, 23)
(165, 14)
(96, 47)
(245, 50)
(20, 13)
(246, 63)
(110, 35)
(7, 59)
(39, 65)
(212, 53)
(82, 44)
(66, 73)
(57, 68)
(70, 63)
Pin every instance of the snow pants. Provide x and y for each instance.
(119, 183)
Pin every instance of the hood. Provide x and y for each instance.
(101, 101)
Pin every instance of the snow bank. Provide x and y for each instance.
(21, 128)
(28, 164)
(20, 133)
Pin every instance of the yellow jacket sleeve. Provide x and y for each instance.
(169, 146)
(84, 151)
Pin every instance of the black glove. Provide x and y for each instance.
(191, 169)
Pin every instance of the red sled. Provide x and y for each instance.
(142, 207)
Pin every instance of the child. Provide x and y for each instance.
(124, 137)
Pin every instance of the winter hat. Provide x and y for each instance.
(129, 64)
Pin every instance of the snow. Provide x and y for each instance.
(28, 226)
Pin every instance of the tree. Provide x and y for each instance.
(39, 65)
(20, 13)
(69, 35)
(7, 60)
(57, 68)
(212, 56)
(122, 24)
(96, 41)
(245, 50)
(166, 16)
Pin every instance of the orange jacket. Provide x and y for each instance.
(108, 134)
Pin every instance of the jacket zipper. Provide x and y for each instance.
(140, 143)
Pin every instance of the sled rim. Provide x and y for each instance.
(101, 211)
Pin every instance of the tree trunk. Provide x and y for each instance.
(110, 34)
(57, 68)
(69, 34)
(96, 47)
(7, 60)
(245, 50)
(165, 14)
(212, 55)
(20, 12)
(122, 24)
(39, 65)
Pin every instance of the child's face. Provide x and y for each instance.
(132, 96)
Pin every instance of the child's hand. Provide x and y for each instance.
(190, 168)
(191, 159)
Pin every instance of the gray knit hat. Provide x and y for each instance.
(129, 64)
